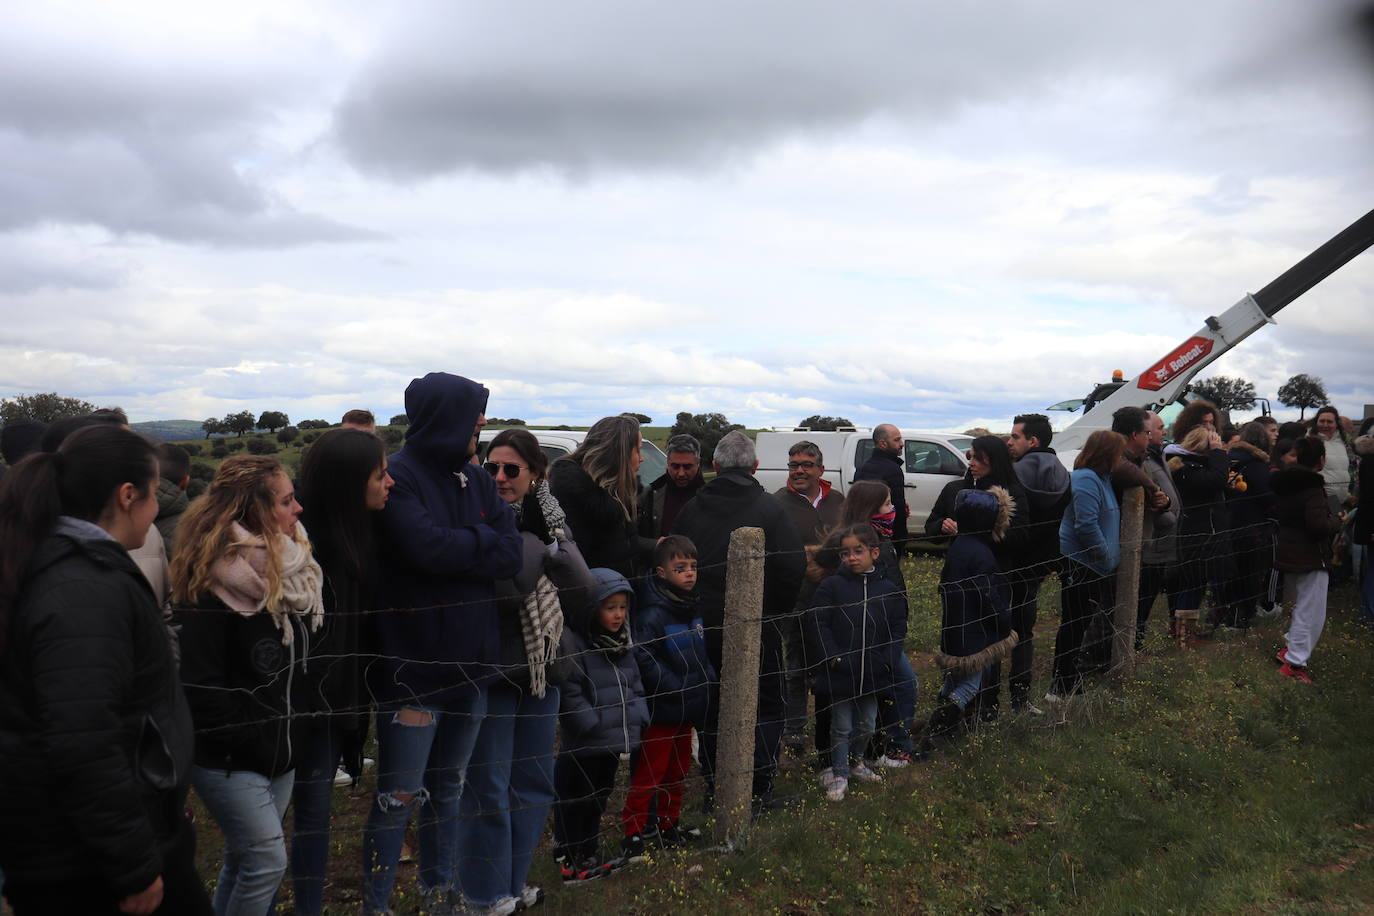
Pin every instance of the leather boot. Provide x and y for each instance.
(943, 721)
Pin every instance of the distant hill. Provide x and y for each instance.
(170, 430)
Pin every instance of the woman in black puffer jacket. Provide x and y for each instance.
(598, 488)
(95, 767)
(1252, 532)
(1199, 468)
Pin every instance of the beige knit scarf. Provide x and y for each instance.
(240, 578)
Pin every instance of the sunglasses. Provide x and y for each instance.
(510, 470)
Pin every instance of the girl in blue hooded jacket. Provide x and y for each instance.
(602, 711)
(859, 624)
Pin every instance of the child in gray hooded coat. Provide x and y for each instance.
(602, 711)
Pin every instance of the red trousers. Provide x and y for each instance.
(665, 756)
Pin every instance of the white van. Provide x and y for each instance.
(932, 460)
(559, 442)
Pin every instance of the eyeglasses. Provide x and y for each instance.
(510, 470)
(800, 465)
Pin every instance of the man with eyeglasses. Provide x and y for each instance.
(674, 488)
(814, 507)
(888, 464)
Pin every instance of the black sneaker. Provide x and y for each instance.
(631, 850)
(678, 835)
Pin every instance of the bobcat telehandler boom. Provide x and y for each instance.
(1166, 380)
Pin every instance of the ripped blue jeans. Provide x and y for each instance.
(422, 753)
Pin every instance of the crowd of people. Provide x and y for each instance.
(509, 631)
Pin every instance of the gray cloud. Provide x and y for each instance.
(598, 86)
(169, 141)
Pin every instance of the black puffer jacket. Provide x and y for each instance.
(1305, 523)
(606, 536)
(245, 687)
(95, 736)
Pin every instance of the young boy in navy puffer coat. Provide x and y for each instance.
(670, 646)
(602, 713)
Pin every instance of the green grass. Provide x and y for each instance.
(1205, 783)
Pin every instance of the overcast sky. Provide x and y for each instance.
(933, 214)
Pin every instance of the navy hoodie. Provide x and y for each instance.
(446, 539)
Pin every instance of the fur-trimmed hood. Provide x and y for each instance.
(986, 512)
(1241, 450)
(1364, 445)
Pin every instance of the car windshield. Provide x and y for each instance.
(655, 463)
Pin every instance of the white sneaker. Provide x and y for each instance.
(530, 896)
(864, 773)
(837, 788)
(894, 763)
(341, 777)
(827, 777)
(1054, 699)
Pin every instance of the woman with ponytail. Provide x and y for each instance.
(95, 735)
(343, 485)
(247, 593)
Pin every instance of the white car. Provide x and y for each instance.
(559, 442)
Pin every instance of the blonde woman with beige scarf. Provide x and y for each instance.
(247, 594)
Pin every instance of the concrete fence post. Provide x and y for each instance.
(739, 685)
(1128, 581)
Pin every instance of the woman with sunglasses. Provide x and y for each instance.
(509, 784)
(343, 485)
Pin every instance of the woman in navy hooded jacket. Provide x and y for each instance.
(446, 537)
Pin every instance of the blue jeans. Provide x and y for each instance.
(1364, 555)
(248, 807)
(418, 766)
(851, 723)
(962, 688)
(316, 764)
(507, 794)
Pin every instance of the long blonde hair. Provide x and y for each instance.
(605, 456)
(241, 492)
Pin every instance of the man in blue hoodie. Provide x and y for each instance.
(446, 537)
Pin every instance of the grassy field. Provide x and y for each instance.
(1206, 783)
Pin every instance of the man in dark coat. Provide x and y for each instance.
(1046, 482)
(888, 464)
(734, 499)
(674, 488)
